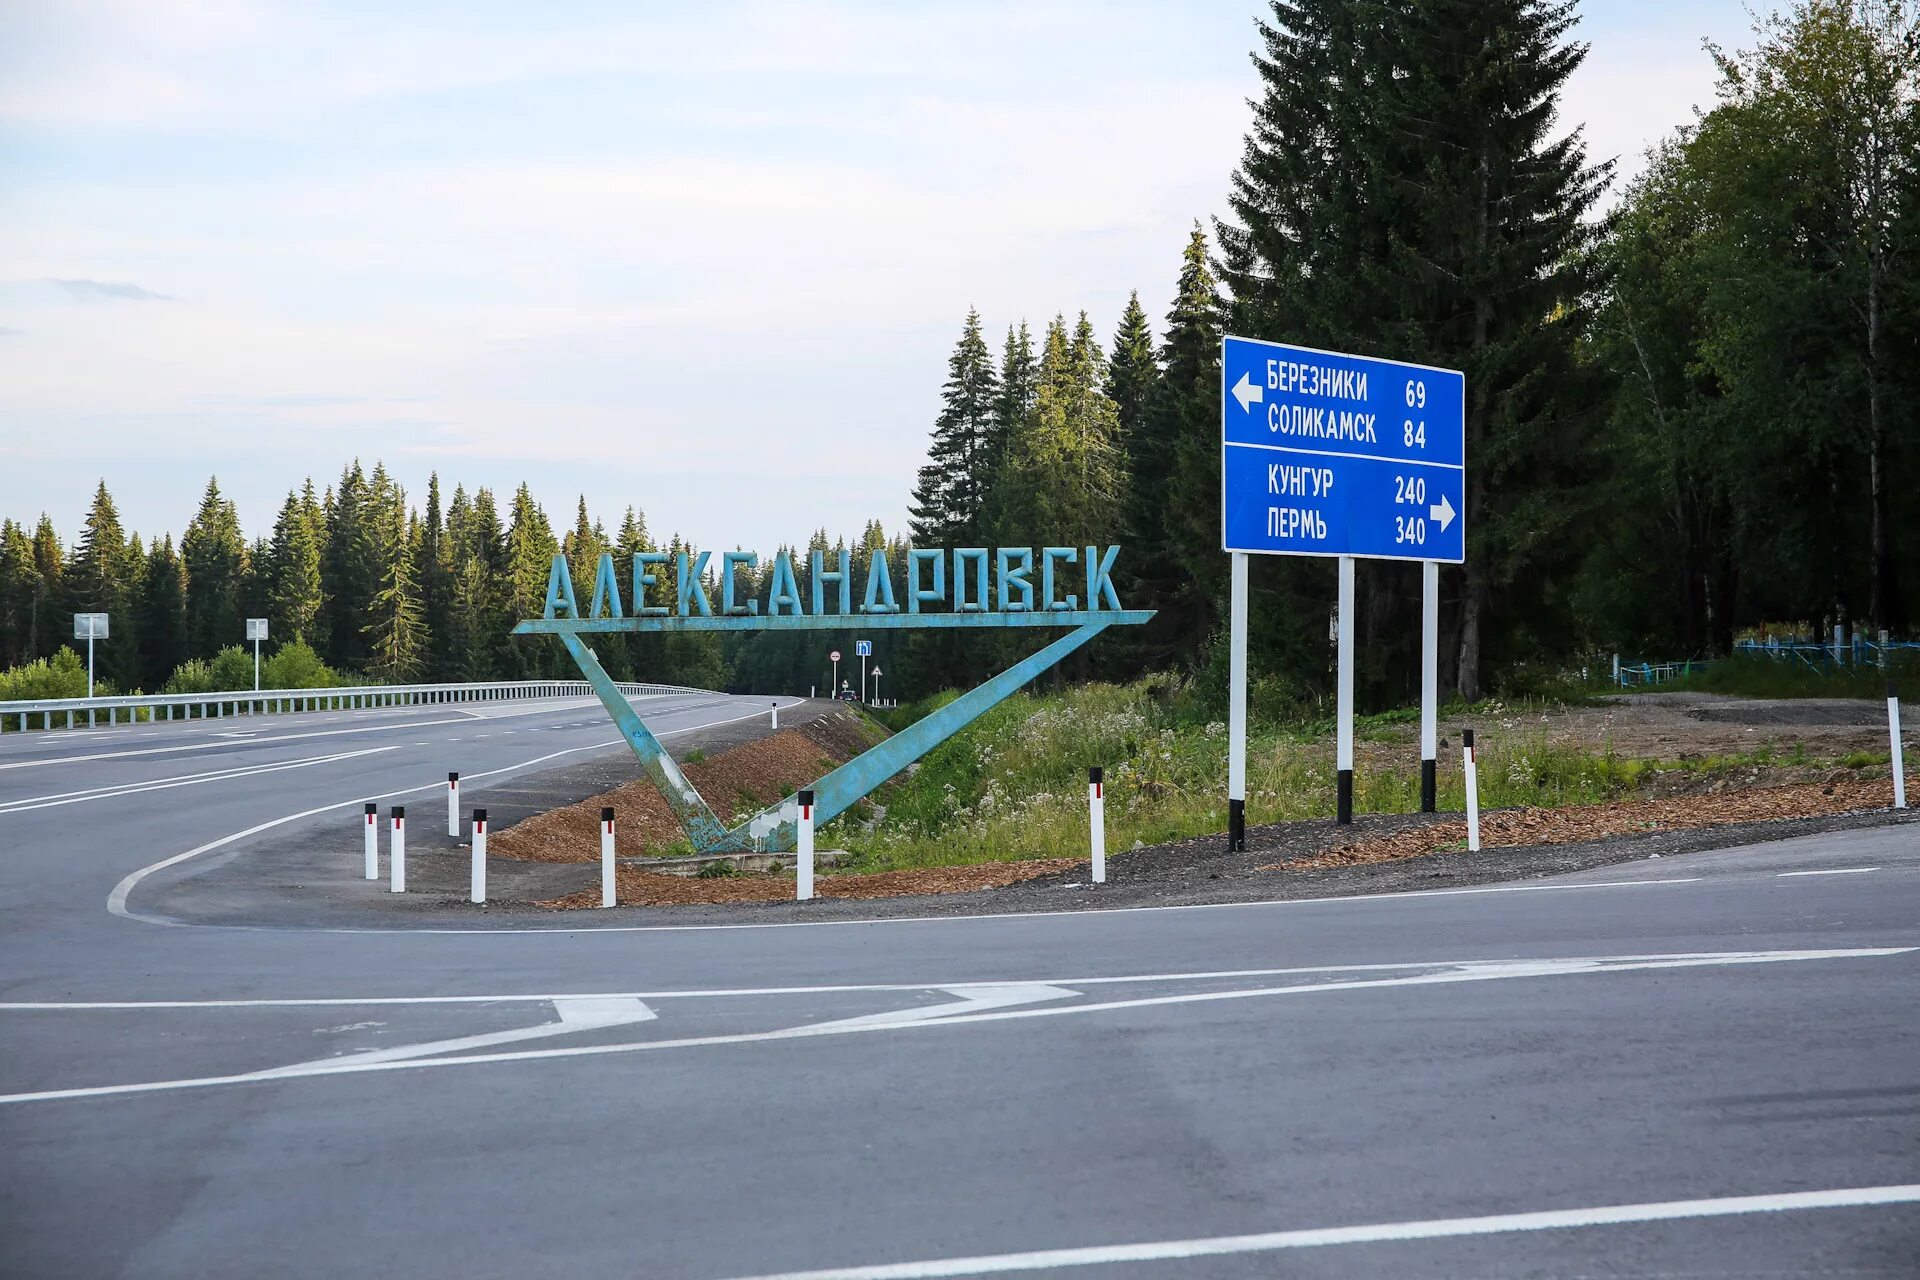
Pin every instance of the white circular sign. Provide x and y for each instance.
(834, 656)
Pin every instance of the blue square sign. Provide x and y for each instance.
(1324, 454)
(863, 648)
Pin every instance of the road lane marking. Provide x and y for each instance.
(576, 1014)
(117, 899)
(1374, 1233)
(969, 985)
(1836, 871)
(1496, 971)
(188, 780)
(222, 742)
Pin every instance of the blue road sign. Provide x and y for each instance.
(863, 648)
(1324, 454)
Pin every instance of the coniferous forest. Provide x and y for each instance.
(1693, 401)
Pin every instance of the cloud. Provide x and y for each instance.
(109, 291)
(10, 333)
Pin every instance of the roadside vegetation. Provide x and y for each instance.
(1760, 677)
(1013, 785)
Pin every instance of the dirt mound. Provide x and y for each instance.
(651, 889)
(736, 783)
(1526, 827)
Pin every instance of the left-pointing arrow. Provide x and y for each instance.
(1248, 393)
(1443, 512)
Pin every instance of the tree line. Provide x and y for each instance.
(1688, 416)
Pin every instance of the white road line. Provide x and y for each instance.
(1376, 1233)
(205, 746)
(1491, 972)
(188, 780)
(1836, 871)
(967, 984)
(117, 899)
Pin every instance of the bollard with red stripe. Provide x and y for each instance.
(803, 849)
(1471, 761)
(373, 842)
(1097, 815)
(606, 858)
(397, 854)
(479, 891)
(453, 805)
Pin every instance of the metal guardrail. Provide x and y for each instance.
(66, 712)
(1817, 655)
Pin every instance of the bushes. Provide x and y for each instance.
(294, 665)
(62, 676)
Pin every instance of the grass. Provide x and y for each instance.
(1751, 676)
(1014, 784)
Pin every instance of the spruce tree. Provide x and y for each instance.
(45, 634)
(396, 629)
(18, 581)
(98, 580)
(163, 614)
(530, 548)
(349, 576)
(294, 601)
(432, 570)
(1132, 373)
(215, 557)
(948, 501)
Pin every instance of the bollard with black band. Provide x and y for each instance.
(1097, 821)
(479, 890)
(803, 849)
(397, 854)
(1471, 762)
(606, 858)
(1899, 755)
(373, 842)
(453, 805)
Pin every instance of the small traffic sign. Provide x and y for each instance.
(876, 671)
(834, 656)
(1324, 454)
(89, 626)
(256, 628)
(862, 648)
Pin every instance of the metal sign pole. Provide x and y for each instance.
(1344, 742)
(1429, 680)
(1237, 709)
(89, 663)
(256, 664)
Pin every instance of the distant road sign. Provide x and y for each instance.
(834, 656)
(862, 648)
(256, 628)
(1324, 454)
(89, 626)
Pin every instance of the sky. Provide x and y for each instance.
(705, 260)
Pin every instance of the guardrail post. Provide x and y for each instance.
(397, 854)
(453, 805)
(478, 893)
(803, 849)
(1471, 762)
(606, 858)
(1097, 822)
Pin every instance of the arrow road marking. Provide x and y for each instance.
(972, 1000)
(577, 1013)
(1442, 512)
(1248, 393)
(950, 1016)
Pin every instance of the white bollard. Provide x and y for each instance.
(1472, 763)
(453, 805)
(1899, 755)
(775, 713)
(1097, 820)
(479, 890)
(803, 850)
(606, 858)
(397, 855)
(373, 842)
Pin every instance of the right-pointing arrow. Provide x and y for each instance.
(1443, 512)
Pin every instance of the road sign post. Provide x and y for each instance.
(256, 632)
(1326, 454)
(89, 627)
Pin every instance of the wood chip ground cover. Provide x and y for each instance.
(1576, 824)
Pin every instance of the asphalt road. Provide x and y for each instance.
(1705, 1066)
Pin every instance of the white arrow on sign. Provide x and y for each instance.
(1248, 393)
(1444, 513)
